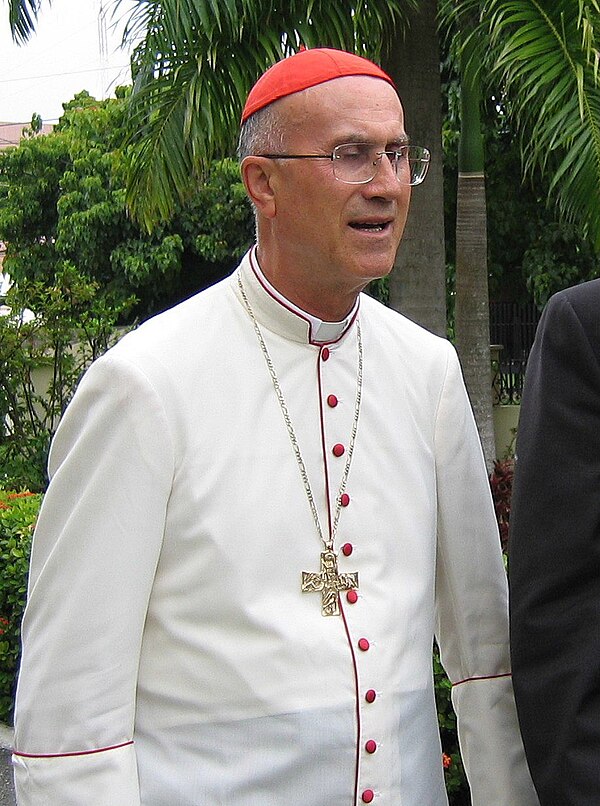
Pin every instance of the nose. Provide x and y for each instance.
(385, 183)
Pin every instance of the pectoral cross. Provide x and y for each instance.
(329, 583)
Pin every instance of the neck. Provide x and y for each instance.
(326, 304)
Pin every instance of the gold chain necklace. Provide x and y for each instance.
(327, 581)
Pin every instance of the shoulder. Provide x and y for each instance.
(405, 347)
(581, 294)
(400, 330)
(572, 316)
(191, 324)
(582, 300)
(158, 356)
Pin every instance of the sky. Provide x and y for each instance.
(70, 51)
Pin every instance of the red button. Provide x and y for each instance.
(332, 401)
(367, 796)
(347, 549)
(338, 449)
(325, 353)
(352, 597)
(363, 644)
(371, 746)
(371, 695)
(344, 499)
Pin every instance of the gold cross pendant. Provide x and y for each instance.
(329, 583)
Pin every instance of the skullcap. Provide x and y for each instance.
(304, 69)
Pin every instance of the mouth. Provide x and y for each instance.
(371, 226)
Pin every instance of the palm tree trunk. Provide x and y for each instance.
(472, 318)
(418, 281)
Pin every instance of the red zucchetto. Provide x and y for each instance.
(304, 69)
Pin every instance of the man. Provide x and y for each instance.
(554, 564)
(263, 504)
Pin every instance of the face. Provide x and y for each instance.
(325, 239)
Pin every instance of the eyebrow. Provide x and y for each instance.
(403, 140)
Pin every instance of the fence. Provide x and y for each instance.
(512, 331)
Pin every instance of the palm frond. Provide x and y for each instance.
(545, 55)
(196, 64)
(22, 16)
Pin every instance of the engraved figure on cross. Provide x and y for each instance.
(329, 583)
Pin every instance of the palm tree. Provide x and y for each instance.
(543, 54)
(202, 55)
(196, 64)
(472, 314)
(418, 282)
(22, 15)
(198, 59)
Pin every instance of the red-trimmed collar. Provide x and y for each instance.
(283, 316)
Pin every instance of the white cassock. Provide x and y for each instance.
(170, 657)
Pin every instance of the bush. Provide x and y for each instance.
(454, 773)
(42, 358)
(501, 482)
(18, 513)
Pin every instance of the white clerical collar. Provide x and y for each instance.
(320, 332)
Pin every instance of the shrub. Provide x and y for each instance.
(454, 773)
(18, 513)
(42, 358)
(501, 482)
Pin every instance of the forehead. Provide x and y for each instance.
(350, 107)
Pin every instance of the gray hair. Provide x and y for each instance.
(262, 133)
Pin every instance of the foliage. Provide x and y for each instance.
(454, 773)
(22, 15)
(543, 53)
(82, 266)
(195, 66)
(18, 512)
(532, 253)
(63, 200)
(42, 356)
(501, 481)
(558, 258)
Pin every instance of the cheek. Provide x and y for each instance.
(403, 207)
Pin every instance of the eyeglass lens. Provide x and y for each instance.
(358, 163)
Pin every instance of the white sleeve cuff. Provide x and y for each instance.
(105, 777)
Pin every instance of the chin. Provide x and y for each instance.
(377, 271)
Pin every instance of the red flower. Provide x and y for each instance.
(446, 760)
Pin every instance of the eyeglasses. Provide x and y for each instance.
(358, 163)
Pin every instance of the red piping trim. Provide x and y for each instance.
(299, 315)
(324, 445)
(483, 677)
(68, 755)
(356, 695)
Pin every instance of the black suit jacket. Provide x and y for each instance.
(554, 560)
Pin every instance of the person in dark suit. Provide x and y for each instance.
(554, 562)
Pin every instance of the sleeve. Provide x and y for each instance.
(94, 556)
(472, 608)
(554, 566)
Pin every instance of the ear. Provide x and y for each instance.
(256, 176)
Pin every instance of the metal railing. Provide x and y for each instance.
(507, 380)
(512, 331)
